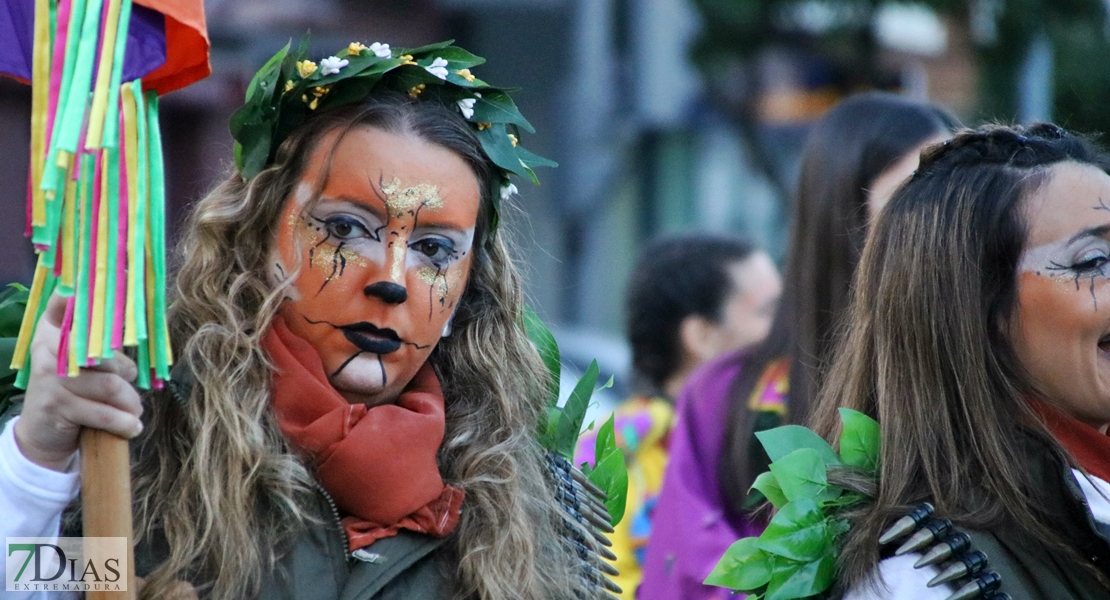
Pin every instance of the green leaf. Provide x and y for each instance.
(263, 83)
(859, 440)
(458, 58)
(793, 580)
(495, 106)
(7, 351)
(529, 160)
(574, 412)
(253, 124)
(797, 532)
(548, 426)
(611, 475)
(422, 50)
(769, 486)
(780, 441)
(13, 303)
(532, 160)
(801, 474)
(606, 440)
(744, 567)
(548, 348)
(500, 150)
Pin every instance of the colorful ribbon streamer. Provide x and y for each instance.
(96, 189)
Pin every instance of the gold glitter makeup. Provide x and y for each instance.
(397, 259)
(326, 256)
(398, 201)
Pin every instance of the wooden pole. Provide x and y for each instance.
(106, 498)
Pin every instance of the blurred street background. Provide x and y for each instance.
(665, 115)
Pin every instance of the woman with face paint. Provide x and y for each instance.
(862, 143)
(978, 338)
(355, 401)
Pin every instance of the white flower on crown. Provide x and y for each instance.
(332, 65)
(466, 106)
(381, 50)
(438, 68)
(507, 191)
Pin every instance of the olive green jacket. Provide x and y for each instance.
(1028, 569)
(315, 565)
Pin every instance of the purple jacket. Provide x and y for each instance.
(690, 529)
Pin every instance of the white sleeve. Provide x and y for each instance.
(898, 580)
(32, 499)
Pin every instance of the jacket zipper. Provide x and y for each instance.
(336, 519)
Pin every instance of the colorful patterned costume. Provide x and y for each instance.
(643, 431)
(693, 528)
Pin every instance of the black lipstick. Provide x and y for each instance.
(370, 338)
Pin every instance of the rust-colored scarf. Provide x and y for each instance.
(378, 464)
(1089, 446)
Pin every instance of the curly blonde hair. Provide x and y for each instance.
(216, 479)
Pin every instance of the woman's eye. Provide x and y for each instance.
(1090, 263)
(345, 228)
(434, 248)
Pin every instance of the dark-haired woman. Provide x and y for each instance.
(848, 163)
(690, 298)
(978, 338)
(355, 403)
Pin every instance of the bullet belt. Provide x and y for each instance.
(942, 545)
(585, 523)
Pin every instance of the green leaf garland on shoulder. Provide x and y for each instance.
(795, 556)
(561, 426)
(289, 88)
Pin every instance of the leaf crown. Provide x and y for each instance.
(289, 89)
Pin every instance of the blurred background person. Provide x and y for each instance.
(691, 298)
(848, 164)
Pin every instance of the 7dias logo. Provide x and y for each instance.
(76, 564)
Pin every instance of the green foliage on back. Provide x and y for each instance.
(561, 426)
(795, 557)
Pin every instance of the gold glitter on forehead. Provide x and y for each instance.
(399, 201)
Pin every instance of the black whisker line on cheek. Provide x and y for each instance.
(312, 250)
(1094, 298)
(1101, 205)
(347, 362)
(382, 365)
(417, 346)
(311, 322)
(334, 266)
(281, 271)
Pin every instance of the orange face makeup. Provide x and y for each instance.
(380, 259)
(1062, 328)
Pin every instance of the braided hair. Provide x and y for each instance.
(1029, 147)
(927, 349)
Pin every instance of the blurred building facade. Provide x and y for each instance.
(644, 147)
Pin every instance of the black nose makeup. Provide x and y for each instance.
(387, 291)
